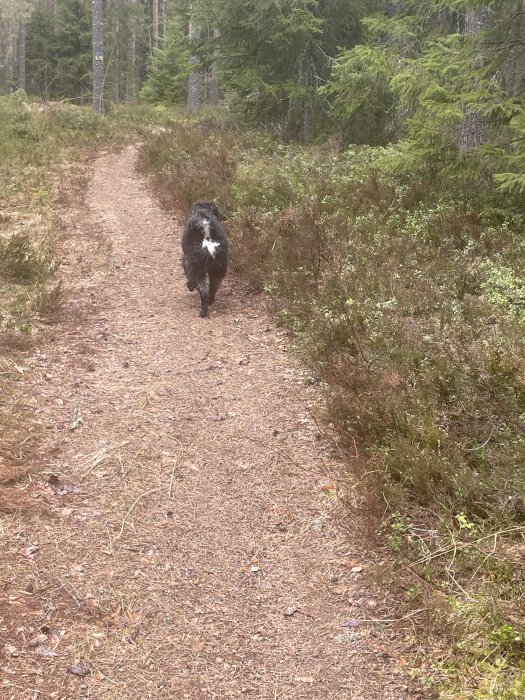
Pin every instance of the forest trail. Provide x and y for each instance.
(184, 544)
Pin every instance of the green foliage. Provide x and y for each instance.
(58, 51)
(409, 305)
(418, 77)
(271, 57)
(361, 94)
(168, 68)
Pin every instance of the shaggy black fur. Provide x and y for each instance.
(204, 252)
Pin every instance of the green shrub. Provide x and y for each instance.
(409, 304)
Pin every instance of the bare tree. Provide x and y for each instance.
(98, 58)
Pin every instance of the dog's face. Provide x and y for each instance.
(209, 207)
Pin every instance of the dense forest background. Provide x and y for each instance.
(370, 158)
(445, 77)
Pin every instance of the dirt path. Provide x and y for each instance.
(184, 540)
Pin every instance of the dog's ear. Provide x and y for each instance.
(210, 207)
(215, 210)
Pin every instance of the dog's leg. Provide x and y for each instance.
(215, 282)
(203, 292)
(191, 284)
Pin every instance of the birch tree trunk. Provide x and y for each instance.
(98, 58)
(472, 133)
(22, 55)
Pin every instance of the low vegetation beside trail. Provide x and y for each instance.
(410, 307)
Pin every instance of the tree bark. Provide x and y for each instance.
(195, 77)
(54, 11)
(117, 88)
(131, 73)
(98, 58)
(155, 23)
(308, 79)
(472, 132)
(213, 92)
(164, 23)
(10, 61)
(4, 33)
(22, 55)
(476, 20)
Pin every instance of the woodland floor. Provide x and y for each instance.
(181, 538)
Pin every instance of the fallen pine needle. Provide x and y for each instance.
(170, 490)
(142, 495)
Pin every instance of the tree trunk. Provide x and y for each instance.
(195, 77)
(155, 23)
(10, 62)
(308, 79)
(131, 73)
(98, 58)
(54, 10)
(4, 43)
(7, 55)
(115, 27)
(476, 20)
(22, 55)
(472, 132)
(393, 8)
(164, 23)
(213, 92)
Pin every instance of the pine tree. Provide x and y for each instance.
(41, 52)
(73, 51)
(98, 58)
(195, 76)
(22, 54)
(169, 67)
(471, 131)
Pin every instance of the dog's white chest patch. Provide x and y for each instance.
(210, 246)
(207, 243)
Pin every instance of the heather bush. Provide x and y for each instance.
(408, 300)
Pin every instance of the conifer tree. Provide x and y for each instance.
(98, 58)
(471, 131)
(22, 53)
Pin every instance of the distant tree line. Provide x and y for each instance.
(441, 76)
(46, 46)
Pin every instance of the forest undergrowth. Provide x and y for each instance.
(45, 149)
(404, 287)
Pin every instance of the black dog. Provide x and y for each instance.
(204, 252)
